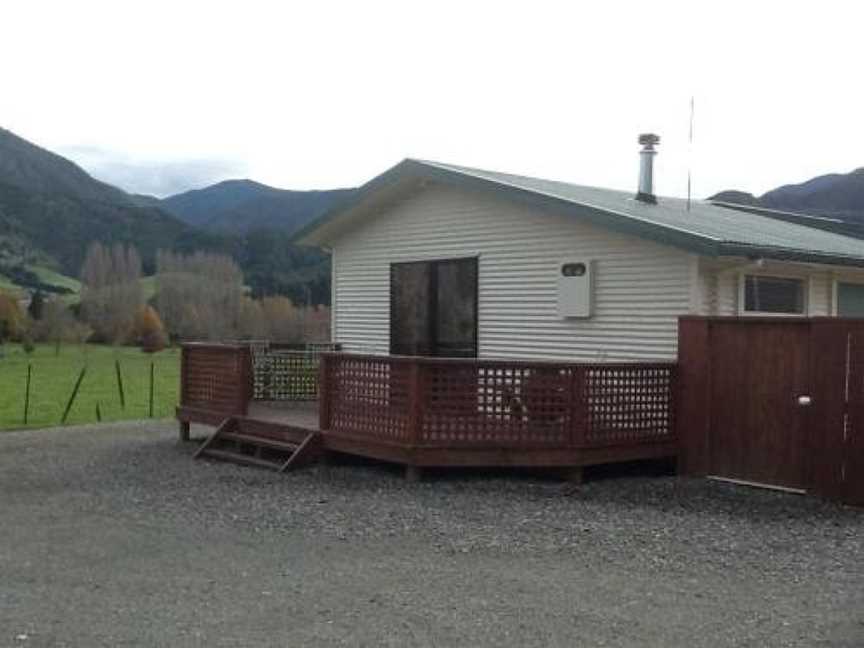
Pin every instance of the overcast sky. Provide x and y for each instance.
(159, 97)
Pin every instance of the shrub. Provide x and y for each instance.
(149, 330)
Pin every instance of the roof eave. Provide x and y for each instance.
(786, 254)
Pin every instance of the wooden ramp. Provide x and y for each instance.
(261, 443)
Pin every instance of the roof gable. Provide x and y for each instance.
(703, 228)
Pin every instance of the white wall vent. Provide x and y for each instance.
(576, 288)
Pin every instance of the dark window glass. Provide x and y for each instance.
(456, 308)
(410, 323)
(433, 308)
(773, 295)
(850, 300)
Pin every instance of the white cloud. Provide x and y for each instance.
(152, 177)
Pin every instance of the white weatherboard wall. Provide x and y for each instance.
(641, 287)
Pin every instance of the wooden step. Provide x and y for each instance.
(250, 439)
(237, 457)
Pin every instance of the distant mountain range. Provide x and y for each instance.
(245, 205)
(835, 195)
(51, 209)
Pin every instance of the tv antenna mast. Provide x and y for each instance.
(690, 153)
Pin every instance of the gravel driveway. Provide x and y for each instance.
(114, 536)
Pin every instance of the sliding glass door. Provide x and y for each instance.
(433, 308)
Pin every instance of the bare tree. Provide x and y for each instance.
(111, 294)
(199, 295)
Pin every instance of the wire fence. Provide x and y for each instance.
(87, 387)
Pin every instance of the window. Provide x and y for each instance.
(433, 308)
(777, 295)
(850, 299)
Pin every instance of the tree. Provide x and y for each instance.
(283, 318)
(111, 292)
(37, 305)
(199, 296)
(11, 318)
(149, 330)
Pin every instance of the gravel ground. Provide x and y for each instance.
(112, 536)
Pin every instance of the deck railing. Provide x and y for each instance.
(223, 378)
(432, 402)
(216, 378)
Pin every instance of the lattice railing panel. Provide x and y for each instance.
(495, 404)
(369, 398)
(214, 378)
(285, 375)
(626, 403)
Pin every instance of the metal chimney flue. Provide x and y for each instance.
(646, 168)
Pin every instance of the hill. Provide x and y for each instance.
(835, 195)
(51, 210)
(245, 205)
(36, 170)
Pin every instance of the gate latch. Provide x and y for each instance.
(804, 401)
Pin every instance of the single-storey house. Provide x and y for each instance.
(442, 260)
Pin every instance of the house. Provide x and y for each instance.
(440, 260)
(488, 319)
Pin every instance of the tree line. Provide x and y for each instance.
(198, 296)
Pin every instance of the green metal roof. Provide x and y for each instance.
(704, 228)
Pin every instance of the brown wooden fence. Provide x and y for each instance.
(450, 403)
(777, 401)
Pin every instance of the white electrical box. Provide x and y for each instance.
(576, 288)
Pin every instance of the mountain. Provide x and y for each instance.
(36, 170)
(836, 195)
(245, 205)
(51, 210)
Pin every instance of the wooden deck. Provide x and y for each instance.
(444, 412)
(302, 414)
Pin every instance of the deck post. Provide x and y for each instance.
(246, 388)
(415, 416)
(184, 431)
(413, 473)
(325, 393)
(415, 401)
(576, 401)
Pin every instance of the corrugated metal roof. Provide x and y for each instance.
(705, 228)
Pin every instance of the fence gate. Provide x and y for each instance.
(775, 401)
(758, 428)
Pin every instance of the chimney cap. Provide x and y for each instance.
(648, 140)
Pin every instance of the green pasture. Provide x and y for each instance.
(53, 378)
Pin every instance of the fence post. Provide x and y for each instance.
(692, 395)
(27, 393)
(120, 385)
(74, 394)
(325, 390)
(152, 369)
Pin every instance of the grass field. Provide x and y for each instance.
(53, 379)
